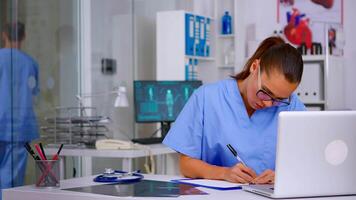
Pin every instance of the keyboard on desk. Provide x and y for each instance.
(151, 140)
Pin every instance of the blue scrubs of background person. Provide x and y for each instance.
(18, 85)
(241, 111)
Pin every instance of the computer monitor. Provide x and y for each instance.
(161, 101)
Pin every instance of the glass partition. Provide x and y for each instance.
(38, 71)
(70, 54)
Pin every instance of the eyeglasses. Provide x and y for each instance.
(265, 96)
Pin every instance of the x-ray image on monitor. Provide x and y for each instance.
(161, 101)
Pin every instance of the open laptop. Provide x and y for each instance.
(316, 155)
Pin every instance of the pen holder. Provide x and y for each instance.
(47, 173)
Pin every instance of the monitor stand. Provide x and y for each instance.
(165, 126)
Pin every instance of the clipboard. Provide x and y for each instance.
(212, 184)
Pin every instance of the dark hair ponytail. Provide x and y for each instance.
(264, 46)
(275, 54)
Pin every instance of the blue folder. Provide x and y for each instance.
(190, 181)
(201, 36)
(189, 34)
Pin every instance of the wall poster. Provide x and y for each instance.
(305, 23)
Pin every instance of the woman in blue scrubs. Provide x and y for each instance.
(241, 111)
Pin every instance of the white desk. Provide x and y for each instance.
(33, 193)
(127, 156)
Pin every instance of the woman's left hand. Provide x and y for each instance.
(267, 177)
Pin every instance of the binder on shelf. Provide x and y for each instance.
(187, 64)
(188, 69)
(191, 72)
(189, 34)
(201, 35)
(195, 70)
(311, 88)
(196, 35)
(207, 38)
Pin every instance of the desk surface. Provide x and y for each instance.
(155, 149)
(32, 193)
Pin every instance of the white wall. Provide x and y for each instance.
(145, 34)
(254, 20)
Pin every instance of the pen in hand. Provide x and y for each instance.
(234, 152)
(246, 169)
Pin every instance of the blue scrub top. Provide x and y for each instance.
(215, 116)
(18, 84)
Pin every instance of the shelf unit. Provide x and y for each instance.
(225, 44)
(229, 36)
(201, 58)
(182, 52)
(226, 66)
(321, 87)
(172, 60)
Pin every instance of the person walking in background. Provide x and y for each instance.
(19, 82)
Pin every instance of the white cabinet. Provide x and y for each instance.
(173, 60)
(322, 87)
(185, 45)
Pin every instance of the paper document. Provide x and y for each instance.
(214, 184)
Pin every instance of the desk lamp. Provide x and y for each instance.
(120, 100)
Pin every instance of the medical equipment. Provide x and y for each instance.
(116, 176)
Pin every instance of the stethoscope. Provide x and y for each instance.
(117, 176)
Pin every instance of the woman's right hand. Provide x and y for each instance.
(239, 174)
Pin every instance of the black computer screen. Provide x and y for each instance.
(161, 101)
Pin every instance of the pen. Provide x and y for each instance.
(55, 157)
(39, 152)
(31, 152)
(43, 152)
(234, 152)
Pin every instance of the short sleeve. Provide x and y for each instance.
(185, 136)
